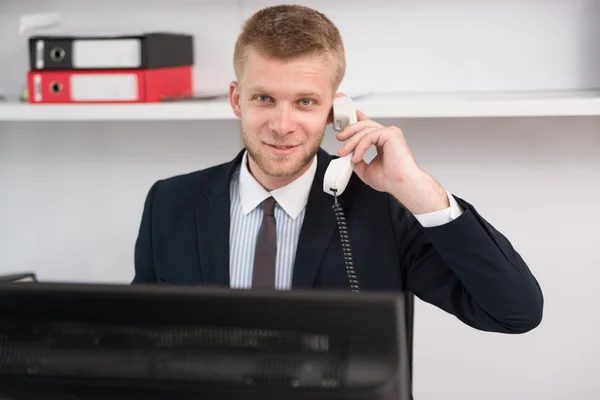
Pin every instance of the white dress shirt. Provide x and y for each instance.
(246, 216)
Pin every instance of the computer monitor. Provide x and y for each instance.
(88, 341)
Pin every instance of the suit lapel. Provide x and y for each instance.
(317, 229)
(212, 227)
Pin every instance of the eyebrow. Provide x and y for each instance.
(258, 88)
(309, 94)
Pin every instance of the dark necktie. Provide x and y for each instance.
(263, 276)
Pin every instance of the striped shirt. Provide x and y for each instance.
(246, 216)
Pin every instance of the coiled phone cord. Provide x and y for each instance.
(410, 298)
(345, 238)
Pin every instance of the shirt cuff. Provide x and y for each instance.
(441, 217)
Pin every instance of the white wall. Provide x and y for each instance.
(71, 194)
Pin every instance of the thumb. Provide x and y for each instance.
(361, 116)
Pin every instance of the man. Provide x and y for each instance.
(407, 233)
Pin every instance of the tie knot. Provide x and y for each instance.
(269, 207)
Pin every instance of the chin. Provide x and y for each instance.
(281, 167)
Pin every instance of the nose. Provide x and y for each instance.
(283, 120)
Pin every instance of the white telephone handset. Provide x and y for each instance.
(340, 170)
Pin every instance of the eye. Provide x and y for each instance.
(262, 97)
(306, 102)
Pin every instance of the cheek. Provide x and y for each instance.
(314, 127)
(253, 122)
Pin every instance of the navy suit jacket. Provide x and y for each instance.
(465, 267)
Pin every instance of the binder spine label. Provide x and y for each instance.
(39, 54)
(99, 53)
(113, 87)
(37, 88)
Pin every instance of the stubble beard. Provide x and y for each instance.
(271, 165)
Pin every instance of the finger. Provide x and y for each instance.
(365, 142)
(352, 129)
(360, 168)
(351, 143)
(361, 116)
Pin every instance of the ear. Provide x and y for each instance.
(234, 98)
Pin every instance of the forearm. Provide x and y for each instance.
(420, 193)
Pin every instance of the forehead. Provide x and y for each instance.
(306, 74)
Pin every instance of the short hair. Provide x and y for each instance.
(287, 32)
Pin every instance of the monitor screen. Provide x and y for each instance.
(86, 341)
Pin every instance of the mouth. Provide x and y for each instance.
(281, 150)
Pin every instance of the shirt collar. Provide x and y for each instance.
(292, 198)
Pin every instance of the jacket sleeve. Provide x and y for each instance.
(143, 257)
(469, 269)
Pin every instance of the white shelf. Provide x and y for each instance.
(117, 112)
(375, 106)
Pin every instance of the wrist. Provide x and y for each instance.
(421, 194)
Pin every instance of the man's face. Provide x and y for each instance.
(284, 108)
